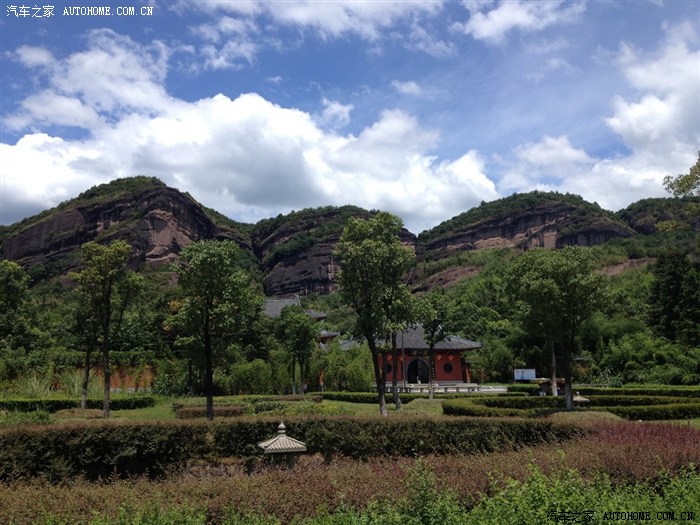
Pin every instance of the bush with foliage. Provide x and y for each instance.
(127, 449)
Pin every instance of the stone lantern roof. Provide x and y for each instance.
(282, 443)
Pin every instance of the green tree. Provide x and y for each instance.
(687, 184)
(556, 291)
(106, 289)
(674, 299)
(684, 185)
(218, 301)
(297, 332)
(374, 264)
(254, 377)
(432, 313)
(86, 329)
(14, 283)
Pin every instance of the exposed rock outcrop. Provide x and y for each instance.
(549, 225)
(296, 250)
(156, 222)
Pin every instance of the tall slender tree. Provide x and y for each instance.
(557, 290)
(14, 283)
(219, 301)
(297, 333)
(374, 264)
(107, 288)
(432, 314)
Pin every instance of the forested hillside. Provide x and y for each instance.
(647, 331)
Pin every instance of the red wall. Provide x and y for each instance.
(441, 373)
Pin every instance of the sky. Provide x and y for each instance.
(421, 108)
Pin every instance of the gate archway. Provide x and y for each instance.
(417, 372)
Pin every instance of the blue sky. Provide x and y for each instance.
(423, 109)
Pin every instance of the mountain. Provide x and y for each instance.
(526, 220)
(645, 215)
(157, 221)
(294, 252)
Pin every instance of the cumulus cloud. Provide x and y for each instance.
(492, 24)
(335, 114)
(245, 156)
(328, 19)
(665, 115)
(406, 88)
(32, 56)
(659, 121)
(249, 158)
(243, 28)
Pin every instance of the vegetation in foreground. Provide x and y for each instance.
(602, 471)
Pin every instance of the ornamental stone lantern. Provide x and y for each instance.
(282, 445)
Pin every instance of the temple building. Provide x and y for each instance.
(413, 365)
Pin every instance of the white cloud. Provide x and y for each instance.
(659, 122)
(665, 116)
(247, 27)
(335, 114)
(32, 56)
(552, 151)
(406, 88)
(425, 41)
(48, 107)
(494, 23)
(250, 158)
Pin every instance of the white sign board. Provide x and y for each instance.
(524, 374)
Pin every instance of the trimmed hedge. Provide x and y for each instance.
(97, 451)
(373, 397)
(106, 450)
(56, 404)
(199, 412)
(465, 407)
(652, 390)
(629, 407)
(655, 412)
(656, 391)
(226, 401)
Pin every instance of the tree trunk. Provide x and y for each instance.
(553, 370)
(209, 376)
(395, 376)
(86, 381)
(294, 379)
(568, 388)
(380, 379)
(190, 377)
(431, 367)
(107, 373)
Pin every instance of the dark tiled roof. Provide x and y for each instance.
(414, 339)
(273, 307)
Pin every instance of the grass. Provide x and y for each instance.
(583, 418)
(162, 411)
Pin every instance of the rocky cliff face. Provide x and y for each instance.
(548, 225)
(296, 251)
(157, 222)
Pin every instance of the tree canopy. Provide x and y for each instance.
(556, 291)
(219, 301)
(374, 264)
(106, 288)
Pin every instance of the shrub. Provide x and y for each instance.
(253, 377)
(656, 412)
(101, 450)
(201, 412)
(97, 451)
(465, 407)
